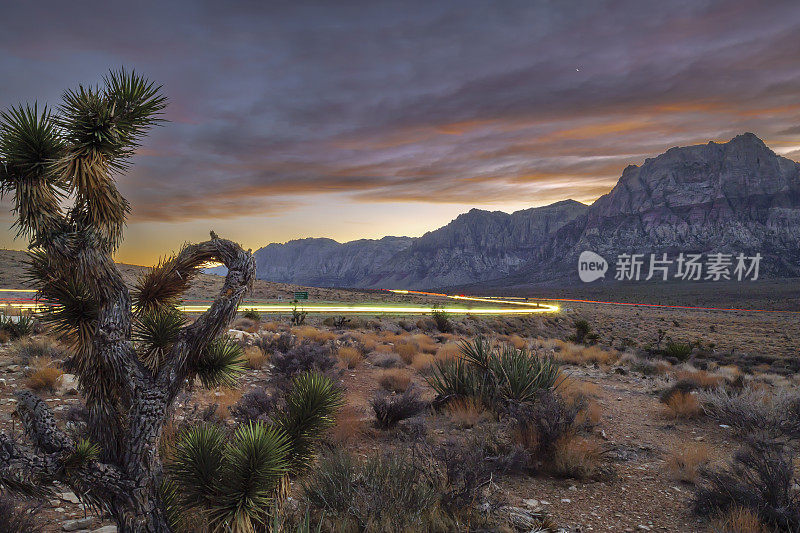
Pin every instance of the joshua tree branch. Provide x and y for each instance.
(40, 424)
(240, 277)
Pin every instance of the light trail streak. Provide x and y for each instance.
(515, 300)
(404, 309)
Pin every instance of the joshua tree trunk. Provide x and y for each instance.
(44, 160)
(128, 478)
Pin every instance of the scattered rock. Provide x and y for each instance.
(70, 497)
(106, 529)
(80, 523)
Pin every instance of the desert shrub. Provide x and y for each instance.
(583, 333)
(252, 314)
(497, 375)
(684, 405)
(44, 375)
(451, 350)
(755, 410)
(23, 326)
(455, 378)
(313, 334)
(678, 350)
(276, 343)
(387, 360)
(18, 517)
(394, 380)
(467, 412)
(381, 493)
(255, 405)
(337, 322)
(539, 425)
(700, 378)
(25, 350)
(760, 478)
(577, 457)
(391, 409)
(349, 424)
(254, 357)
(684, 461)
(469, 465)
(298, 315)
(301, 358)
(423, 362)
(406, 350)
(349, 356)
(585, 355)
(441, 319)
(738, 520)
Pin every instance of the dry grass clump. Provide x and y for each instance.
(684, 405)
(425, 343)
(739, 520)
(451, 350)
(467, 412)
(246, 324)
(254, 357)
(349, 356)
(684, 461)
(44, 375)
(700, 378)
(368, 340)
(224, 398)
(581, 395)
(423, 362)
(407, 350)
(387, 360)
(350, 424)
(577, 457)
(313, 334)
(270, 326)
(395, 380)
(574, 354)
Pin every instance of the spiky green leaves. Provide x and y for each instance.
(85, 452)
(495, 375)
(30, 143)
(155, 332)
(310, 409)
(164, 284)
(232, 483)
(102, 127)
(72, 311)
(220, 364)
(109, 121)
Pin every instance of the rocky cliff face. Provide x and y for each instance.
(733, 197)
(325, 262)
(476, 246)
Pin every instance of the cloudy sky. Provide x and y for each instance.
(364, 119)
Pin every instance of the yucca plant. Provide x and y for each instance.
(496, 375)
(232, 483)
(130, 349)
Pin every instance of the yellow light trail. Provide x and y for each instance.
(515, 308)
(396, 309)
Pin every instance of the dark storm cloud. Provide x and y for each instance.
(414, 101)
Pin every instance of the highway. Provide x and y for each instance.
(23, 301)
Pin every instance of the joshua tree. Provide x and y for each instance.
(131, 349)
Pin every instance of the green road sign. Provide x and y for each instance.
(301, 295)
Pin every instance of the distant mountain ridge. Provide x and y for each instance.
(732, 197)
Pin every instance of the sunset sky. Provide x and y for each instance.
(364, 119)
